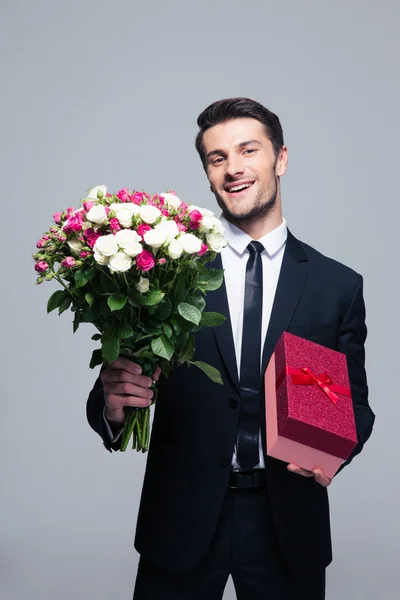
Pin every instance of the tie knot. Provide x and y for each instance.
(255, 247)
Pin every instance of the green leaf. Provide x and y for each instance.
(165, 367)
(136, 299)
(77, 320)
(124, 331)
(55, 300)
(210, 371)
(90, 298)
(212, 319)
(97, 359)
(80, 278)
(90, 273)
(87, 315)
(211, 280)
(117, 301)
(96, 337)
(154, 297)
(167, 330)
(164, 310)
(180, 287)
(197, 300)
(162, 346)
(188, 351)
(189, 312)
(110, 349)
(65, 304)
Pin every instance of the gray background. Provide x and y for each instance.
(109, 93)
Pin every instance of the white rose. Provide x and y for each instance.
(76, 246)
(191, 244)
(125, 214)
(106, 245)
(122, 206)
(143, 285)
(172, 201)
(127, 237)
(149, 214)
(100, 258)
(216, 241)
(155, 237)
(211, 223)
(92, 194)
(170, 228)
(133, 249)
(119, 263)
(97, 214)
(175, 249)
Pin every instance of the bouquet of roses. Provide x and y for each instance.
(133, 265)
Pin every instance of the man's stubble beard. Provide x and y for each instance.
(259, 210)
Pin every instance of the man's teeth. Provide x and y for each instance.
(239, 188)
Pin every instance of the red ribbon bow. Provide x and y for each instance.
(305, 376)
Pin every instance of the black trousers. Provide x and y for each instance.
(244, 546)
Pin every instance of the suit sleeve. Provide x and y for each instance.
(351, 341)
(95, 415)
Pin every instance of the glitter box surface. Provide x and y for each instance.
(309, 410)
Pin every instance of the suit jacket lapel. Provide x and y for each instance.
(217, 301)
(293, 275)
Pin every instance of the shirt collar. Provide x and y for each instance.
(239, 240)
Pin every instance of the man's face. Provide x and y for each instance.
(242, 168)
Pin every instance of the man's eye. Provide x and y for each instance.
(250, 151)
(217, 161)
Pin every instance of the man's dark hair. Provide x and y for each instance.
(238, 108)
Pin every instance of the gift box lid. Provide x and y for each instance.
(314, 403)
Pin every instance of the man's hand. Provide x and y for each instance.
(316, 473)
(124, 385)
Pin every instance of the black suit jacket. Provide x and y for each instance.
(195, 422)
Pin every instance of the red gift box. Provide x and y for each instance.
(309, 410)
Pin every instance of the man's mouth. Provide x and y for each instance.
(238, 188)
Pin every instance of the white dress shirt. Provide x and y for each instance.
(234, 261)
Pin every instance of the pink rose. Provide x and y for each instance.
(84, 254)
(74, 223)
(195, 215)
(57, 218)
(88, 205)
(123, 195)
(107, 209)
(141, 230)
(70, 210)
(90, 236)
(194, 224)
(45, 236)
(114, 224)
(181, 226)
(165, 212)
(183, 208)
(61, 236)
(162, 261)
(41, 243)
(41, 266)
(53, 229)
(203, 249)
(145, 261)
(68, 262)
(108, 195)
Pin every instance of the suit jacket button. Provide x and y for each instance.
(224, 462)
(232, 403)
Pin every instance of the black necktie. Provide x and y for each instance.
(250, 376)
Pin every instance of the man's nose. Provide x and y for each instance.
(234, 166)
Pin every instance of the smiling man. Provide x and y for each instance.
(213, 504)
